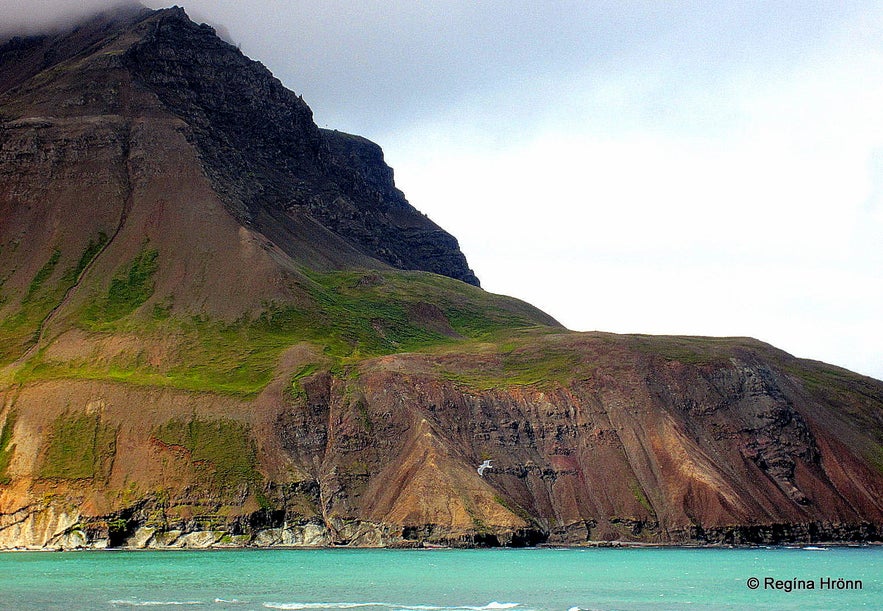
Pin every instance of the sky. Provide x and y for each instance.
(698, 168)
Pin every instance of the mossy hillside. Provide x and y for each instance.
(544, 357)
(638, 493)
(93, 248)
(127, 292)
(839, 386)
(42, 275)
(689, 350)
(80, 446)
(373, 314)
(20, 329)
(295, 389)
(6, 446)
(350, 316)
(223, 450)
(874, 455)
(531, 357)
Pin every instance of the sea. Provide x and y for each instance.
(545, 579)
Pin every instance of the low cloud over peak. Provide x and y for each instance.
(44, 16)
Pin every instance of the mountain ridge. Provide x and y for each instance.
(221, 325)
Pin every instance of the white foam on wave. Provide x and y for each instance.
(492, 606)
(157, 603)
(328, 605)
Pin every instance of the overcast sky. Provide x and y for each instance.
(702, 168)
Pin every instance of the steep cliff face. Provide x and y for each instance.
(221, 325)
(159, 98)
(263, 152)
(591, 437)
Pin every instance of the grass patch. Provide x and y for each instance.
(163, 310)
(684, 349)
(855, 397)
(524, 360)
(42, 275)
(817, 376)
(295, 389)
(516, 510)
(127, 291)
(639, 495)
(372, 313)
(79, 447)
(93, 248)
(223, 450)
(528, 367)
(19, 331)
(6, 447)
(348, 316)
(874, 456)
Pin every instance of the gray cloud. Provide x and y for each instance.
(40, 16)
(373, 66)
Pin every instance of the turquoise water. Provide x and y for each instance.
(441, 580)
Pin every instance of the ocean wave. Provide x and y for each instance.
(492, 606)
(328, 605)
(155, 603)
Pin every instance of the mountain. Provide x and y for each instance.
(221, 325)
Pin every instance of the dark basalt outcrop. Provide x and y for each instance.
(257, 142)
(269, 160)
(221, 325)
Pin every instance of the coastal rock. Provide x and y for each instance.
(165, 539)
(268, 537)
(199, 539)
(307, 535)
(141, 539)
(72, 540)
(39, 527)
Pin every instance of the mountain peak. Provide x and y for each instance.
(256, 141)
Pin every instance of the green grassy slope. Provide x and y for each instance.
(350, 316)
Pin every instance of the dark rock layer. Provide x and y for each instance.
(264, 153)
(274, 169)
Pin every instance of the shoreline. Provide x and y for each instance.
(56, 531)
(606, 545)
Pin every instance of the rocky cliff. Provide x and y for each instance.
(221, 325)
